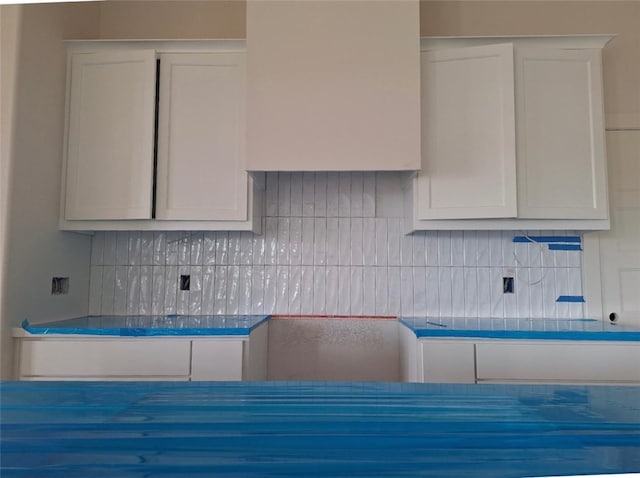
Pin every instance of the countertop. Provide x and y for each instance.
(171, 325)
(550, 329)
(153, 325)
(244, 429)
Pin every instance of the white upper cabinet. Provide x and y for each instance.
(333, 85)
(482, 170)
(468, 133)
(185, 100)
(111, 135)
(201, 170)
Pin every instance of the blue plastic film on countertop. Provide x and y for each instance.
(243, 429)
(549, 329)
(150, 325)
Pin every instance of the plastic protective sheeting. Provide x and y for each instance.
(125, 429)
(152, 325)
(546, 329)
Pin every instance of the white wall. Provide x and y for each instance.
(35, 249)
(332, 244)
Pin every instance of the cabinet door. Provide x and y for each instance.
(104, 358)
(201, 171)
(448, 361)
(558, 362)
(217, 359)
(468, 134)
(109, 165)
(561, 152)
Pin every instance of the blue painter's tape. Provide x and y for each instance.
(565, 247)
(570, 298)
(548, 239)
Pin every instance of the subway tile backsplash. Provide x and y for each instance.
(332, 244)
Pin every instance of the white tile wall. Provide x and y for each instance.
(325, 251)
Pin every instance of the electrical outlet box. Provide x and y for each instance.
(59, 285)
(185, 282)
(508, 285)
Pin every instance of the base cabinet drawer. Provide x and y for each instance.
(559, 362)
(104, 359)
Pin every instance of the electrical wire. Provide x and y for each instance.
(520, 264)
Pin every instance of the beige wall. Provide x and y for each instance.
(9, 34)
(226, 19)
(333, 349)
(621, 58)
(173, 19)
(36, 250)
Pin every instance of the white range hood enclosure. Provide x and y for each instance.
(333, 85)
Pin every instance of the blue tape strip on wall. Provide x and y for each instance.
(565, 247)
(570, 298)
(548, 239)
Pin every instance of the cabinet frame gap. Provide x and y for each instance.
(154, 195)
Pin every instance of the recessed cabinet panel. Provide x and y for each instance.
(561, 167)
(468, 134)
(201, 172)
(109, 169)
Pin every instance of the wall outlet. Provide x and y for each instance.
(185, 282)
(59, 285)
(508, 285)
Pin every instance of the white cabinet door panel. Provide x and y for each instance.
(448, 361)
(217, 359)
(563, 362)
(109, 169)
(561, 148)
(104, 358)
(201, 172)
(468, 134)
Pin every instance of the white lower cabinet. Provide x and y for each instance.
(523, 361)
(230, 359)
(145, 358)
